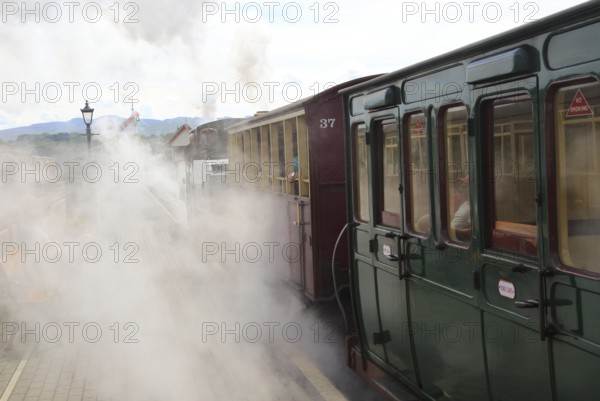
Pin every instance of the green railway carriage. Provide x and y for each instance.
(474, 206)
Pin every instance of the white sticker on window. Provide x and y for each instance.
(387, 250)
(506, 289)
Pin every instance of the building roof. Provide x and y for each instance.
(181, 136)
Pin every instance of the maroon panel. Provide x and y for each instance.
(325, 124)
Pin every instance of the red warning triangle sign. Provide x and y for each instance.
(579, 106)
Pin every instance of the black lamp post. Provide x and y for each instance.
(88, 113)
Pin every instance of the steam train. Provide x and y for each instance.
(472, 185)
(296, 154)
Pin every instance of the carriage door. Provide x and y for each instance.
(511, 262)
(387, 253)
(376, 235)
(362, 259)
(573, 283)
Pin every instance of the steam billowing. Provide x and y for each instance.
(159, 56)
(143, 303)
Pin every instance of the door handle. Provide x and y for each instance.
(528, 303)
(392, 258)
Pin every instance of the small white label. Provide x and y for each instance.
(387, 250)
(507, 289)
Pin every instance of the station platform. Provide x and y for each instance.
(155, 319)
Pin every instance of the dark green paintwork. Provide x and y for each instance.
(513, 62)
(448, 344)
(382, 98)
(574, 47)
(368, 306)
(438, 311)
(394, 319)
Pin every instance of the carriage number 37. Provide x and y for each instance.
(327, 122)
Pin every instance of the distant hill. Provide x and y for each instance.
(144, 127)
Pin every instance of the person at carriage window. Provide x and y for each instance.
(460, 225)
(294, 177)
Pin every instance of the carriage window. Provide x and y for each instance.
(458, 206)
(389, 171)
(361, 173)
(577, 136)
(513, 222)
(417, 173)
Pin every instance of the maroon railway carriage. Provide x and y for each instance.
(296, 152)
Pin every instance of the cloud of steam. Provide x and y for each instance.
(156, 293)
(160, 23)
(161, 53)
(250, 54)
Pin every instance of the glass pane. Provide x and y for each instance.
(361, 173)
(387, 131)
(418, 170)
(514, 176)
(578, 175)
(457, 174)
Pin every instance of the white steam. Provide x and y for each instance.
(179, 318)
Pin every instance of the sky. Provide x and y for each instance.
(221, 59)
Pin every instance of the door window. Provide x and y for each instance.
(389, 172)
(361, 173)
(513, 206)
(456, 174)
(417, 173)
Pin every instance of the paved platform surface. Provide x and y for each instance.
(162, 316)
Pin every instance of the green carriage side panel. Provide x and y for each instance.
(523, 284)
(573, 47)
(576, 372)
(576, 345)
(361, 242)
(517, 361)
(485, 320)
(449, 349)
(394, 320)
(367, 296)
(575, 312)
(450, 268)
(387, 252)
